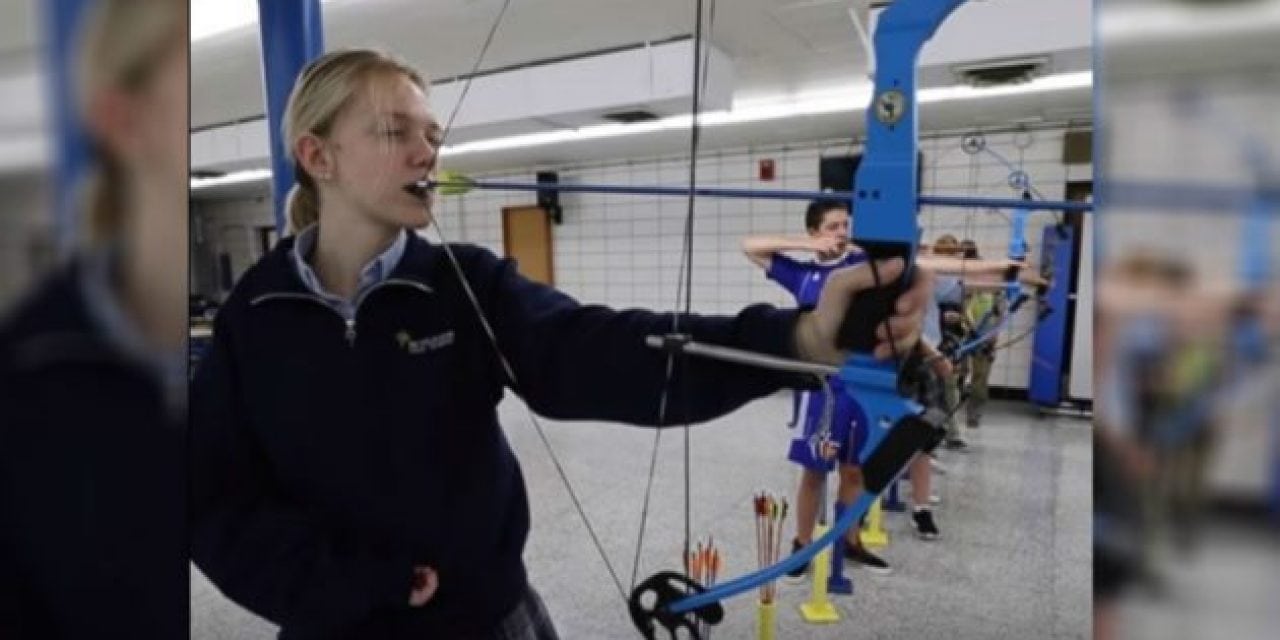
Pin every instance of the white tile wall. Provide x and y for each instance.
(624, 251)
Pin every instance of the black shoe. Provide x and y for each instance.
(925, 526)
(873, 563)
(799, 572)
(956, 444)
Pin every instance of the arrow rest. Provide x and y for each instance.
(662, 589)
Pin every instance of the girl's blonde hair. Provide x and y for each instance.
(323, 89)
(122, 45)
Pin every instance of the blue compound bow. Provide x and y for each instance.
(886, 226)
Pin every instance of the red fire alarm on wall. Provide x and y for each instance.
(766, 169)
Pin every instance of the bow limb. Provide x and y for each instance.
(900, 428)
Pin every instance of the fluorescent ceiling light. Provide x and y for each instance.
(236, 177)
(212, 17)
(848, 100)
(1046, 84)
(845, 101)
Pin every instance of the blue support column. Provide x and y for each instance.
(292, 36)
(1050, 346)
(1255, 269)
(71, 148)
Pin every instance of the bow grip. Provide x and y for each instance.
(871, 307)
(1011, 273)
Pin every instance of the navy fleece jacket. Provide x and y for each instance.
(93, 512)
(330, 458)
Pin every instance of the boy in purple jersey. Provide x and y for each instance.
(827, 222)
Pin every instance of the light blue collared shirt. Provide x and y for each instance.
(946, 289)
(108, 315)
(373, 273)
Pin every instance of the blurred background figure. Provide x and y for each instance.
(1187, 459)
(92, 344)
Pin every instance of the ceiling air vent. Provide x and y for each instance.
(997, 72)
(627, 117)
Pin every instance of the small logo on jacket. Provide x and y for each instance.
(423, 345)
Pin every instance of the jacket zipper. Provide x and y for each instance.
(349, 333)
